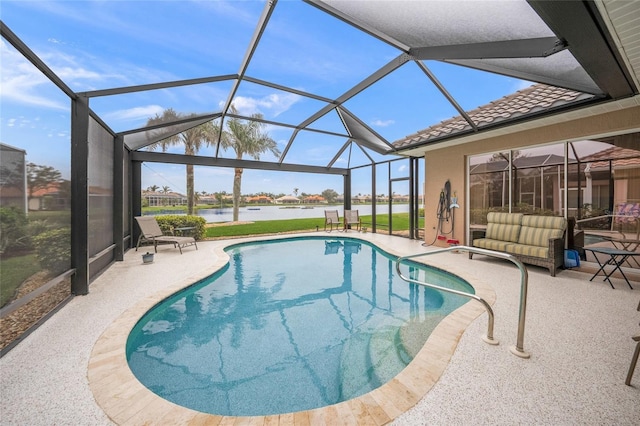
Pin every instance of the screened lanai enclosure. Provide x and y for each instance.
(102, 100)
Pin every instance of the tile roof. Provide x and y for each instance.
(534, 99)
(622, 158)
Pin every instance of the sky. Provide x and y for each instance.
(93, 45)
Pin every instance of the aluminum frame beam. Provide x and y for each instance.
(156, 86)
(162, 157)
(447, 95)
(525, 48)
(589, 42)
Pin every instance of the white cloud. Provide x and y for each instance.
(270, 106)
(134, 114)
(68, 74)
(382, 123)
(23, 83)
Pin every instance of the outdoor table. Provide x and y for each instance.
(616, 257)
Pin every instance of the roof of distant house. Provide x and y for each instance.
(538, 98)
(288, 198)
(622, 157)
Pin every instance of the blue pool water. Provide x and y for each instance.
(288, 325)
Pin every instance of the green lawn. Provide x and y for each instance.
(14, 271)
(400, 221)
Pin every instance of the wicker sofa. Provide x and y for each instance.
(536, 240)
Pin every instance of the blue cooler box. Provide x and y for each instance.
(571, 259)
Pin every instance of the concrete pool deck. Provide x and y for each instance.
(577, 332)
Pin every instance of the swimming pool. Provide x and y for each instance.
(288, 325)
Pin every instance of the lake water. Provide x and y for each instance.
(257, 213)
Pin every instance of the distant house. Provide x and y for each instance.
(13, 177)
(155, 199)
(287, 199)
(214, 199)
(398, 198)
(621, 163)
(314, 199)
(208, 199)
(53, 197)
(259, 199)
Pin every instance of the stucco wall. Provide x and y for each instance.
(449, 163)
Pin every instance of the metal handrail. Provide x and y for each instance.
(518, 349)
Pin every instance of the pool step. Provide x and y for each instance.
(370, 360)
(355, 367)
(388, 355)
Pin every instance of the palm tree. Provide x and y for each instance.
(193, 139)
(166, 190)
(246, 137)
(153, 188)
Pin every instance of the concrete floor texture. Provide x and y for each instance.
(578, 333)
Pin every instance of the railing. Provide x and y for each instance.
(518, 349)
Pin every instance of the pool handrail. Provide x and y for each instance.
(518, 348)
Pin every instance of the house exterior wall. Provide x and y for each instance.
(449, 162)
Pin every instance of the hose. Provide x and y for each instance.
(443, 213)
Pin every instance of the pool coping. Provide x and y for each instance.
(127, 401)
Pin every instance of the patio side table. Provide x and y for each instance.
(616, 258)
(185, 231)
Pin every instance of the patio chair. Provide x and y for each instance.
(331, 218)
(332, 247)
(351, 218)
(150, 232)
(628, 215)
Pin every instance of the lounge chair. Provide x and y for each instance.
(351, 218)
(331, 218)
(150, 232)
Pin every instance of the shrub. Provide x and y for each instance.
(14, 234)
(53, 249)
(37, 227)
(169, 222)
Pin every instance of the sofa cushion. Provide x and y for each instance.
(534, 251)
(489, 244)
(537, 230)
(503, 226)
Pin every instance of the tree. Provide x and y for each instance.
(330, 195)
(295, 192)
(153, 188)
(246, 137)
(166, 190)
(41, 177)
(220, 197)
(193, 139)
